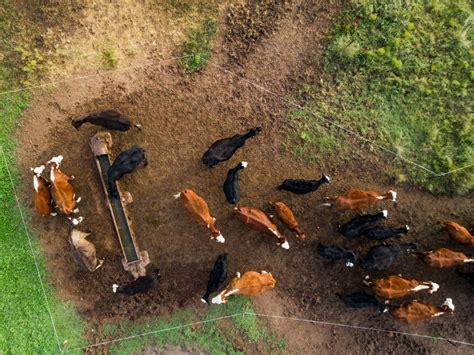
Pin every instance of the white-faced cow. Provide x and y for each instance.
(217, 276)
(223, 149)
(414, 311)
(444, 257)
(301, 187)
(258, 220)
(199, 210)
(250, 283)
(356, 226)
(285, 215)
(356, 199)
(41, 193)
(397, 287)
(110, 119)
(125, 163)
(459, 233)
(83, 251)
(231, 184)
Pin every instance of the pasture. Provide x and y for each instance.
(235, 53)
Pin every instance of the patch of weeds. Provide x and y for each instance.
(197, 47)
(109, 58)
(400, 74)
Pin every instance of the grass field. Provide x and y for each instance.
(399, 73)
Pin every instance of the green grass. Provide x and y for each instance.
(109, 58)
(197, 47)
(401, 74)
(216, 337)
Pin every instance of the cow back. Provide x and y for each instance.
(414, 311)
(286, 215)
(62, 192)
(394, 287)
(42, 197)
(253, 283)
(443, 257)
(197, 207)
(459, 233)
(256, 219)
(83, 251)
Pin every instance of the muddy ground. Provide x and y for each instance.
(181, 116)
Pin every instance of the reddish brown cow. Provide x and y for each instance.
(250, 284)
(61, 190)
(258, 220)
(41, 193)
(415, 311)
(286, 216)
(396, 286)
(458, 233)
(443, 257)
(356, 199)
(199, 210)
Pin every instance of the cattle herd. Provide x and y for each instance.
(57, 195)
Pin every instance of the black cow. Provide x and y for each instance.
(231, 183)
(334, 252)
(380, 257)
(140, 285)
(302, 187)
(467, 274)
(217, 276)
(109, 119)
(361, 300)
(125, 163)
(223, 149)
(356, 226)
(381, 232)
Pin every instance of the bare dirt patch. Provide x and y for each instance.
(181, 117)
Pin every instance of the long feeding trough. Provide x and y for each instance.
(134, 260)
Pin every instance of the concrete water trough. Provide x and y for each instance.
(134, 260)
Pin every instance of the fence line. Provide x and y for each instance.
(31, 248)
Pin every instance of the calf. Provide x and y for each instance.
(361, 300)
(459, 233)
(301, 187)
(82, 250)
(125, 163)
(381, 257)
(140, 285)
(415, 311)
(199, 210)
(397, 287)
(109, 119)
(356, 199)
(250, 284)
(223, 149)
(231, 184)
(334, 252)
(443, 257)
(286, 216)
(41, 193)
(258, 220)
(381, 232)
(61, 190)
(356, 226)
(217, 276)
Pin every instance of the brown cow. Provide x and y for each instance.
(459, 233)
(356, 199)
(83, 251)
(396, 286)
(286, 216)
(199, 210)
(258, 220)
(251, 283)
(415, 311)
(61, 190)
(41, 193)
(443, 257)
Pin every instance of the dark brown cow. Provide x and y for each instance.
(459, 233)
(199, 210)
(443, 257)
(250, 284)
(41, 193)
(397, 287)
(356, 199)
(415, 311)
(258, 220)
(286, 216)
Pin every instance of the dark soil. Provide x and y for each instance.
(181, 116)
